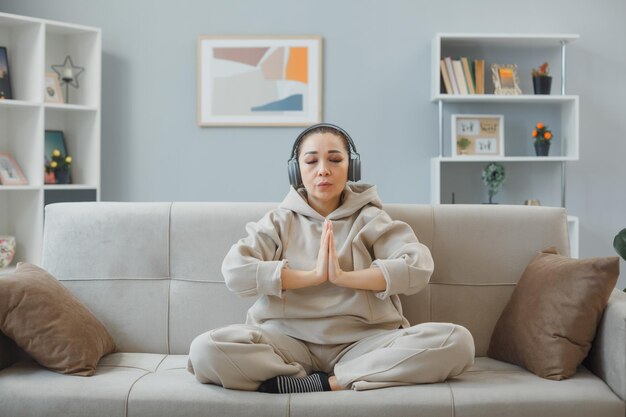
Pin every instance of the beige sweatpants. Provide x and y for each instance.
(242, 356)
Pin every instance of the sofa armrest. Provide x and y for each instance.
(607, 358)
(8, 352)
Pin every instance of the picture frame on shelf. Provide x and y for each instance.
(477, 135)
(10, 171)
(53, 88)
(505, 79)
(259, 80)
(5, 78)
(55, 139)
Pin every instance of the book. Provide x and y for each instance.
(446, 77)
(468, 75)
(460, 78)
(455, 86)
(479, 74)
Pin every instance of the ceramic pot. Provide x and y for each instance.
(542, 148)
(62, 177)
(7, 250)
(542, 85)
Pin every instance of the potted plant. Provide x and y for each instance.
(59, 167)
(542, 81)
(463, 144)
(493, 176)
(543, 138)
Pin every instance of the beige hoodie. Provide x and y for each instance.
(365, 237)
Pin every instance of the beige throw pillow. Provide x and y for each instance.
(550, 321)
(50, 323)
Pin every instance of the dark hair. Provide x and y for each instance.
(323, 129)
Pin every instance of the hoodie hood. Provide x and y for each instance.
(354, 197)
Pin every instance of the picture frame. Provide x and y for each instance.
(55, 139)
(5, 79)
(10, 171)
(477, 135)
(259, 80)
(53, 92)
(505, 79)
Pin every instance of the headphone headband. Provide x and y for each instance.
(329, 125)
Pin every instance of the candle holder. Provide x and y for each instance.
(68, 74)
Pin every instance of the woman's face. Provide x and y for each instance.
(324, 165)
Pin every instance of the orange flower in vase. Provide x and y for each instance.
(543, 138)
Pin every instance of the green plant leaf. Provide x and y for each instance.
(619, 243)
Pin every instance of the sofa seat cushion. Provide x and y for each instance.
(172, 391)
(148, 362)
(432, 400)
(29, 390)
(491, 388)
(144, 384)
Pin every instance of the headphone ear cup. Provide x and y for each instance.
(293, 168)
(354, 169)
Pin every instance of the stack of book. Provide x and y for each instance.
(461, 77)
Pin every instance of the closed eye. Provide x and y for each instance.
(335, 161)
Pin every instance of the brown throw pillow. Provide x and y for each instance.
(50, 323)
(550, 321)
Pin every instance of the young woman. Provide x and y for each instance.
(328, 265)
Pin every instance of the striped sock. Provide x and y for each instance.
(317, 381)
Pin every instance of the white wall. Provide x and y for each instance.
(376, 86)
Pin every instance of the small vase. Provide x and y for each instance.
(49, 178)
(62, 177)
(542, 148)
(542, 84)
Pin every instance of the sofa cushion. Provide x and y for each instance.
(492, 388)
(550, 321)
(172, 391)
(29, 390)
(51, 324)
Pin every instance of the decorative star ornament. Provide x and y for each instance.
(68, 72)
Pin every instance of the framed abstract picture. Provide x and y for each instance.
(259, 80)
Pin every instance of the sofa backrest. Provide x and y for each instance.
(151, 272)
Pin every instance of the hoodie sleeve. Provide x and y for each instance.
(406, 264)
(252, 266)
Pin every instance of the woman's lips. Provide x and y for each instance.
(324, 185)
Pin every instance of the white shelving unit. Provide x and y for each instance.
(33, 46)
(461, 174)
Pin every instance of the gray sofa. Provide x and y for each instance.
(151, 273)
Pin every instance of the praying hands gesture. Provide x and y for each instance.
(327, 269)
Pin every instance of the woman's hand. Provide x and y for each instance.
(321, 268)
(335, 274)
(365, 279)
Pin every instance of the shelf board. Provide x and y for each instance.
(505, 158)
(18, 103)
(69, 187)
(493, 98)
(80, 107)
(19, 187)
(506, 39)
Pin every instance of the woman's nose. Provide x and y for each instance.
(323, 168)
